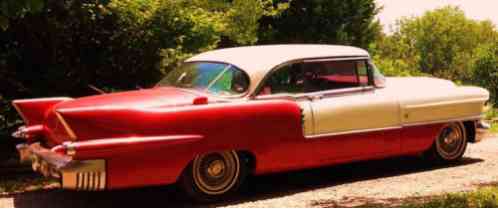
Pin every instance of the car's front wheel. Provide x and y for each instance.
(213, 176)
(451, 143)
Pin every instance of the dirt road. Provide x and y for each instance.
(383, 181)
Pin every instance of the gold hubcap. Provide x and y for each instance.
(216, 168)
(451, 142)
(216, 173)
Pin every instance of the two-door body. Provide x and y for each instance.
(248, 110)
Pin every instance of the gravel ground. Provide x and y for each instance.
(384, 181)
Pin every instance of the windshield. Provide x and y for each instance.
(215, 78)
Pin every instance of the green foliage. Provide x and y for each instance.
(442, 43)
(17, 8)
(485, 69)
(323, 21)
(395, 67)
(486, 197)
(171, 30)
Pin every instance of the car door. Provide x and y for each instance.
(352, 119)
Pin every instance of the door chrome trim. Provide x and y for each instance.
(353, 132)
(470, 118)
(336, 92)
(435, 104)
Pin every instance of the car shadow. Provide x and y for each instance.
(256, 188)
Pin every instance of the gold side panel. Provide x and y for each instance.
(358, 111)
(441, 111)
(87, 175)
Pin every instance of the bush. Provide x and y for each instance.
(485, 69)
(395, 67)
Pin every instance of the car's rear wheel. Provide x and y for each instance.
(451, 143)
(213, 176)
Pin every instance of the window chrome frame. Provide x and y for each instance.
(318, 94)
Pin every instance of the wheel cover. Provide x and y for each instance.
(451, 141)
(216, 173)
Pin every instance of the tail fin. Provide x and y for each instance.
(33, 111)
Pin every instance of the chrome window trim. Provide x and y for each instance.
(335, 59)
(317, 95)
(259, 85)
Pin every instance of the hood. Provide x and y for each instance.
(147, 98)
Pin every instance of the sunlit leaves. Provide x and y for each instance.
(16, 9)
(441, 42)
(322, 21)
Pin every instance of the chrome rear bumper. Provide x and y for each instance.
(88, 175)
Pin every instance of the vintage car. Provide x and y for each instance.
(228, 113)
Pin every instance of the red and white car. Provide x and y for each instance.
(227, 113)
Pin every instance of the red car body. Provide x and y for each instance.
(149, 137)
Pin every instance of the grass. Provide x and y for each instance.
(485, 197)
(494, 128)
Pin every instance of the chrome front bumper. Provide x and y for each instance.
(87, 175)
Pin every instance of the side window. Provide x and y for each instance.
(287, 79)
(331, 75)
(231, 82)
(312, 76)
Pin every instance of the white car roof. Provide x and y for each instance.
(257, 61)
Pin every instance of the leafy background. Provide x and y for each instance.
(59, 47)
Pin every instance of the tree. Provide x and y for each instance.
(17, 8)
(323, 21)
(485, 69)
(441, 42)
